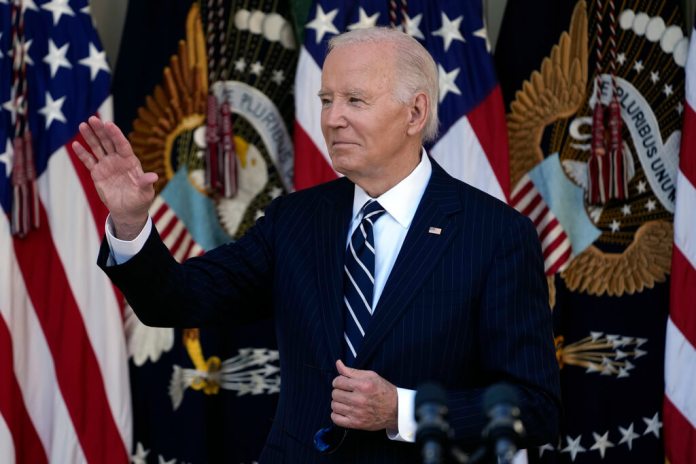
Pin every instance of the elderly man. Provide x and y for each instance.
(391, 276)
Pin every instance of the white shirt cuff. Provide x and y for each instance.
(123, 250)
(406, 421)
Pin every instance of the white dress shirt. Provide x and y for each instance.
(400, 203)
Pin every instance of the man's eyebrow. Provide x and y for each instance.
(355, 93)
(323, 93)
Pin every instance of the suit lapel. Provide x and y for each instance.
(331, 228)
(419, 254)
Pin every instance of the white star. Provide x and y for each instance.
(679, 108)
(544, 448)
(667, 90)
(86, 10)
(162, 461)
(56, 57)
(573, 447)
(641, 186)
(52, 110)
(240, 65)
(7, 157)
(621, 58)
(638, 66)
(96, 61)
(483, 34)
(10, 106)
(140, 456)
(626, 210)
(364, 21)
(450, 30)
(58, 8)
(447, 83)
(601, 443)
(323, 23)
(29, 5)
(650, 205)
(0, 42)
(654, 76)
(256, 68)
(615, 225)
(25, 49)
(628, 436)
(278, 76)
(654, 425)
(411, 26)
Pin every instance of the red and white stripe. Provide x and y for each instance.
(173, 231)
(474, 149)
(555, 244)
(680, 349)
(64, 394)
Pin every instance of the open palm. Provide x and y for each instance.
(122, 185)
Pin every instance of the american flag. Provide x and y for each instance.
(472, 144)
(680, 350)
(64, 393)
(555, 244)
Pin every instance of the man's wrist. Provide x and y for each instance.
(127, 230)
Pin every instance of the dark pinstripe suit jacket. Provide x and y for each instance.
(465, 308)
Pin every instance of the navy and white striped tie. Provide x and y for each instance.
(359, 280)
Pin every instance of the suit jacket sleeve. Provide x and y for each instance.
(228, 284)
(516, 340)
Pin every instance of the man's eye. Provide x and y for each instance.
(354, 100)
(325, 102)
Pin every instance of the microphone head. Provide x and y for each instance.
(430, 393)
(499, 394)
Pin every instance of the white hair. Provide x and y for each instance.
(415, 68)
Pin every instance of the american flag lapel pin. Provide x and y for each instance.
(435, 231)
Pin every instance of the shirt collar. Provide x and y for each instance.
(400, 201)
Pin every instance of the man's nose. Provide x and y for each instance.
(335, 115)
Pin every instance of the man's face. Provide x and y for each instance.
(363, 125)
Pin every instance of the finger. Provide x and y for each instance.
(343, 383)
(341, 408)
(340, 420)
(83, 155)
(342, 396)
(147, 179)
(120, 142)
(87, 132)
(103, 136)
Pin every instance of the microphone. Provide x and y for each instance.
(433, 431)
(505, 427)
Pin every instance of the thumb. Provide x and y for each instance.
(147, 179)
(345, 370)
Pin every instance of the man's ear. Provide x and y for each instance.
(418, 113)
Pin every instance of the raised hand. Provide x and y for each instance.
(122, 185)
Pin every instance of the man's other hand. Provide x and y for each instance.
(363, 400)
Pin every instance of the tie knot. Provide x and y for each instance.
(372, 211)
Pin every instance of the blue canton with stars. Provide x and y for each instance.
(67, 74)
(452, 31)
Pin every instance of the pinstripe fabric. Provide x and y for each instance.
(465, 308)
